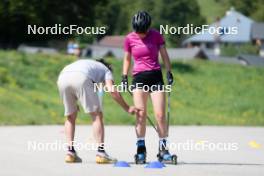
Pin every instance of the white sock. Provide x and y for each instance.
(161, 143)
(161, 139)
(140, 139)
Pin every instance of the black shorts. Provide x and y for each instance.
(148, 81)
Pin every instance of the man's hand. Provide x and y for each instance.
(132, 110)
(169, 78)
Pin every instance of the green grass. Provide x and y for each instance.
(204, 93)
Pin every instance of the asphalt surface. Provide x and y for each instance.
(37, 150)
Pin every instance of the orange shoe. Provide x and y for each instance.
(104, 158)
(72, 157)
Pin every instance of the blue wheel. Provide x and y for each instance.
(174, 159)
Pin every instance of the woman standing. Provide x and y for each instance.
(145, 44)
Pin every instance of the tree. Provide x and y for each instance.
(251, 8)
(15, 15)
(175, 14)
(116, 15)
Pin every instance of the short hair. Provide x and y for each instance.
(108, 65)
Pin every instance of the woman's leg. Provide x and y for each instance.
(140, 101)
(158, 101)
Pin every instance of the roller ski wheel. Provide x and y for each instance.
(140, 158)
(167, 158)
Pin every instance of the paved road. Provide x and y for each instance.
(240, 151)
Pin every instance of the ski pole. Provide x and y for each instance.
(168, 112)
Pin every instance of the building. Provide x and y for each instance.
(226, 25)
(113, 46)
(257, 35)
(107, 46)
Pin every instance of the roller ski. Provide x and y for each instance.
(140, 157)
(164, 155)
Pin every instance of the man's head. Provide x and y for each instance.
(105, 63)
(141, 22)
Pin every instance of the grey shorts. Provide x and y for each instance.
(77, 87)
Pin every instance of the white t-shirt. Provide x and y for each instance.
(95, 70)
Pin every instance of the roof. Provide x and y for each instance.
(252, 60)
(112, 41)
(231, 19)
(257, 31)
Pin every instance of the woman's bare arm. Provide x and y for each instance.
(165, 58)
(126, 63)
